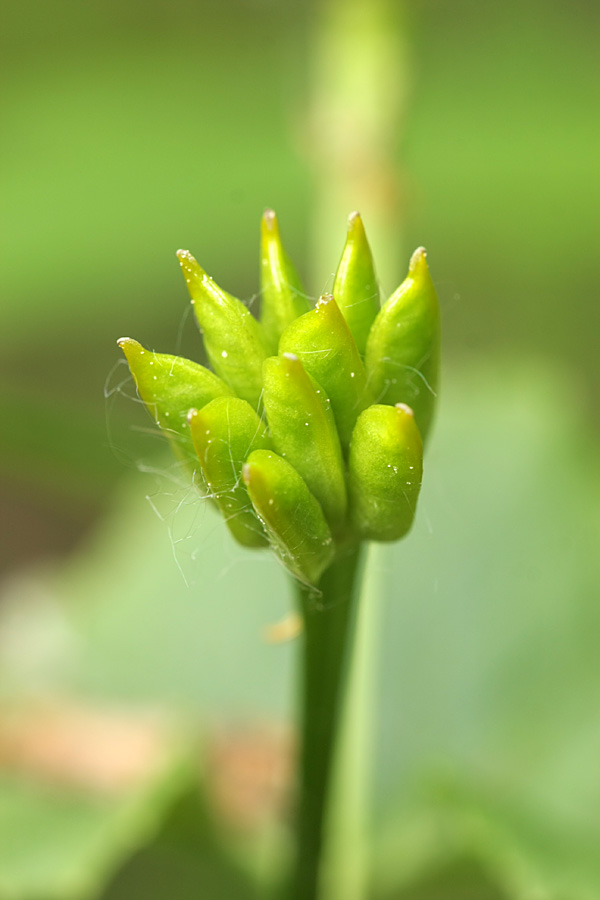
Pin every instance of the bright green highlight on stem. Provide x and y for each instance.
(355, 287)
(224, 433)
(281, 297)
(322, 341)
(385, 472)
(233, 339)
(303, 431)
(293, 518)
(402, 357)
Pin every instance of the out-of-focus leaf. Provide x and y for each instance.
(159, 606)
(65, 843)
(490, 675)
(185, 861)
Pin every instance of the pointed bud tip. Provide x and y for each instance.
(189, 263)
(324, 300)
(418, 262)
(192, 413)
(254, 478)
(356, 229)
(405, 408)
(291, 364)
(130, 347)
(269, 224)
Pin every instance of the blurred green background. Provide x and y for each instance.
(130, 130)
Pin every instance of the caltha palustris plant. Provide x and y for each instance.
(308, 432)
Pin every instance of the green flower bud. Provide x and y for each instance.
(385, 471)
(282, 299)
(402, 358)
(355, 287)
(303, 430)
(322, 341)
(224, 433)
(287, 482)
(293, 518)
(233, 339)
(169, 386)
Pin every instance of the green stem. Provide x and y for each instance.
(329, 615)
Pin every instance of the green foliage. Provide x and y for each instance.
(61, 843)
(489, 665)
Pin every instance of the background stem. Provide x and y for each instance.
(329, 616)
(360, 85)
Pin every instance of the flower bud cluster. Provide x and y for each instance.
(308, 429)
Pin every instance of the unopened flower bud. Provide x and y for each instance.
(233, 339)
(281, 297)
(169, 386)
(402, 357)
(224, 433)
(293, 518)
(385, 471)
(323, 343)
(303, 430)
(355, 287)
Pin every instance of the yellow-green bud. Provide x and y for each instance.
(402, 358)
(293, 518)
(281, 297)
(303, 430)
(233, 339)
(385, 471)
(224, 433)
(169, 386)
(355, 287)
(323, 343)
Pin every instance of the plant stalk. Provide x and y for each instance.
(329, 613)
